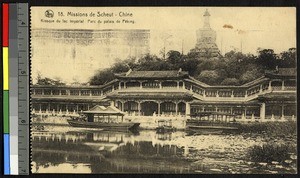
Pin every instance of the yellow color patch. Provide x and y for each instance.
(5, 68)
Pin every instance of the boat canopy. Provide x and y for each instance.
(102, 110)
(208, 113)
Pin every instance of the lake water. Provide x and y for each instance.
(64, 149)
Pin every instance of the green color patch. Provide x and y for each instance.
(6, 111)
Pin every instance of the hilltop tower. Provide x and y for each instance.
(206, 39)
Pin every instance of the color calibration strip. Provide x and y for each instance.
(22, 98)
(5, 37)
(15, 88)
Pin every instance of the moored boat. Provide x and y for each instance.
(106, 118)
(109, 126)
(165, 126)
(212, 122)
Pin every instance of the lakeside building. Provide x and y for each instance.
(175, 95)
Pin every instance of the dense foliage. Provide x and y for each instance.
(234, 68)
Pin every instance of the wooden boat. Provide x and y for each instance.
(106, 118)
(165, 126)
(212, 122)
(105, 126)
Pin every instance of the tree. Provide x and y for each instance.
(230, 81)
(209, 76)
(250, 75)
(48, 81)
(267, 59)
(174, 57)
(102, 77)
(190, 64)
(288, 59)
(120, 66)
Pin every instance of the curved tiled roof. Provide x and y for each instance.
(104, 110)
(154, 95)
(283, 72)
(153, 74)
(278, 96)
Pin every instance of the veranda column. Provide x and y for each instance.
(282, 111)
(262, 111)
(282, 85)
(67, 111)
(57, 108)
(187, 109)
(260, 89)
(112, 103)
(139, 108)
(40, 111)
(141, 85)
(176, 108)
(122, 103)
(119, 85)
(245, 112)
(158, 108)
(270, 85)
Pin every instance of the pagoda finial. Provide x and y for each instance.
(206, 19)
(206, 13)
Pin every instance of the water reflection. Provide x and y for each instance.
(107, 152)
(93, 151)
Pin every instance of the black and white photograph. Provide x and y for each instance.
(163, 90)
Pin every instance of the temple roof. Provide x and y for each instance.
(104, 110)
(169, 74)
(290, 96)
(152, 95)
(200, 102)
(256, 81)
(282, 72)
(73, 99)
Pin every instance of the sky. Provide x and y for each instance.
(242, 28)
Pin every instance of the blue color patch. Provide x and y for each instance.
(6, 155)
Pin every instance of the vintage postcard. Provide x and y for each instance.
(176, 90)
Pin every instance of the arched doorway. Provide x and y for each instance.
(148, 108)
(181, 108)
(130, 107)
(119, 105)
